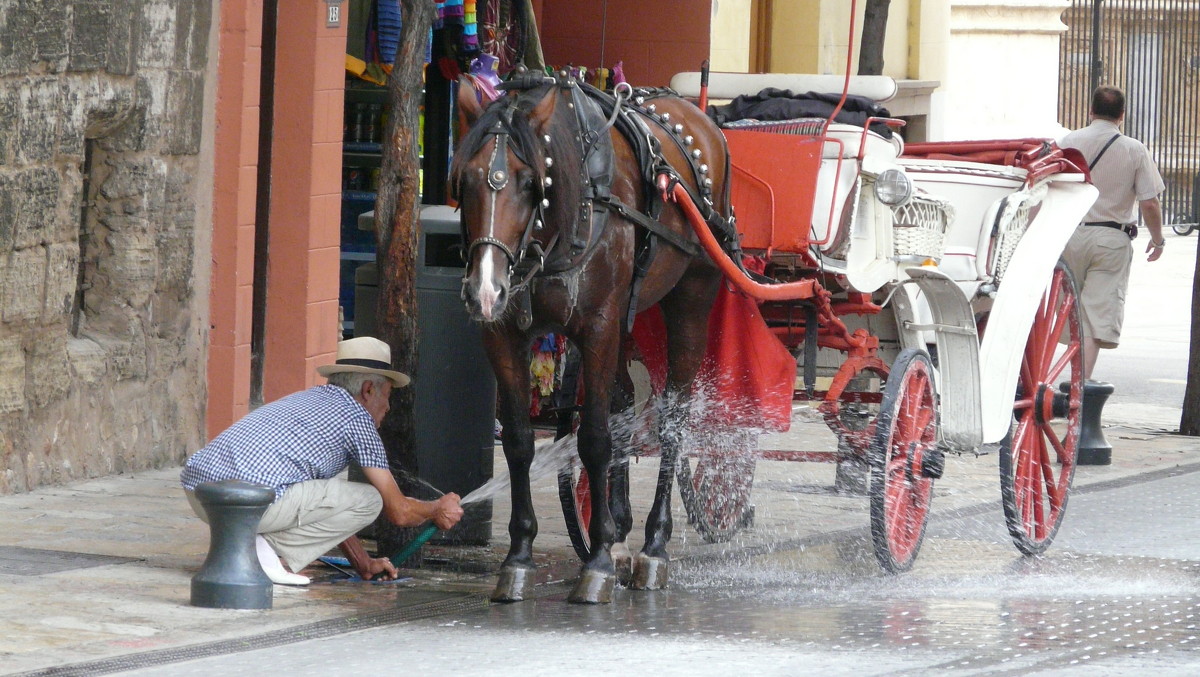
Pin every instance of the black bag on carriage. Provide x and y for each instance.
(781, 104)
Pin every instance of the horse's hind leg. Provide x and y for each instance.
(509, 354)
(685, 310)
(622, 425)
(600, 352)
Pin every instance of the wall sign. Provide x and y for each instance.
(333, 15)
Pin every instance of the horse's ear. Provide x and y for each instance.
(468, 100)
(545, 108)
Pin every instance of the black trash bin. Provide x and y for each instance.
(455, 390)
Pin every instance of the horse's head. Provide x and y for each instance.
(511, 177)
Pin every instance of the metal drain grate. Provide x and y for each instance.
(18, 561)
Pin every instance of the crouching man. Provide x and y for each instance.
(299, 445)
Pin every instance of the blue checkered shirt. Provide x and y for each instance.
(309, 435)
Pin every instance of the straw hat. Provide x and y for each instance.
(365, 355)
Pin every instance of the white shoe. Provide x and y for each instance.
(273, 568)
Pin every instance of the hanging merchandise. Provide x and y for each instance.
(470, 36)
(384, 24)
(501, 32)
(545, 370)
(384, 32)
(484, 78)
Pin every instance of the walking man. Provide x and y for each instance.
(1100, 251)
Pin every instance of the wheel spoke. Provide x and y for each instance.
(1050, 482)
(1067, 357)
(1039, 499)
(1028, 385)
(1047, 318)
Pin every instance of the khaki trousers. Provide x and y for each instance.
(313, 517)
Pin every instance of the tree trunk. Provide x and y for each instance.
(1189, 423)
(397, 213)
(874, 29)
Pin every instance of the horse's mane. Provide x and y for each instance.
(516, 124)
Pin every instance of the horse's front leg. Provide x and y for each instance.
(508, 351)
(600, 353)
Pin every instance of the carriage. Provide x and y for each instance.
(914, 293)
(901, 251)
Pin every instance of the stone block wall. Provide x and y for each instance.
(105, 193)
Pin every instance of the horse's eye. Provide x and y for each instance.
(525, 181)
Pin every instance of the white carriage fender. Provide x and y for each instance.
(1067, 201)
(953, 326)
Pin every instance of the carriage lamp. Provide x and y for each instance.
(893, 187)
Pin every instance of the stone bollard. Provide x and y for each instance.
(231, 577)
(1094, 448)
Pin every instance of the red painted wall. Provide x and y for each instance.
(655, 39)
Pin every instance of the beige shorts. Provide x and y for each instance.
(313, 517)
(1100, 258)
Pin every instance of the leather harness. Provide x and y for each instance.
(595, 113)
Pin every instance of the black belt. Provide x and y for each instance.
(1129, 229)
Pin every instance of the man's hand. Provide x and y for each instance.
(1154, 249)
(379, 567)
(447, 511)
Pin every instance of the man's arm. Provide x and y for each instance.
(1152, 217)
(403, 511)
(367, 567)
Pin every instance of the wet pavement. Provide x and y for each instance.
(798, 592)
(971, 606)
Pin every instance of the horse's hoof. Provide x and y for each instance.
(650, 573)
(623, 562)
(514, 584)
(594, 587)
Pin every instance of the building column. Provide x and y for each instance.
(234, 190)
(1003, 79)
(302, 322)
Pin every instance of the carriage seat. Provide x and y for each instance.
(851, 137)
(732, 85)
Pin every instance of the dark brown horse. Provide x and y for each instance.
(567, 231)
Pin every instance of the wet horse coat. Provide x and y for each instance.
(566, 231)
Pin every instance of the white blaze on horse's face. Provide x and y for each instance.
(492, 271)
(498, 196)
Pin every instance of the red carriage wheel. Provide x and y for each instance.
(1037, 458)
(904, 460)
(575, 495)
(716, 491)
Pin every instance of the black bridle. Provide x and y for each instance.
(529, 258)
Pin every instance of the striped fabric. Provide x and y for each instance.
(312, 434)
(1124, 175)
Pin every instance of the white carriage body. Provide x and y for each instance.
(939, 258)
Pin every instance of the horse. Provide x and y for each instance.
(562, 190)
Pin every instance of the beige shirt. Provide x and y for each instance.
(1124, 175)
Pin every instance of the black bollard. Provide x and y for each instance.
(1094, 448)
(231, 577)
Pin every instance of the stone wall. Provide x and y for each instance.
(104, 190)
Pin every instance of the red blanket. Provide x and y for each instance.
(747, 372)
